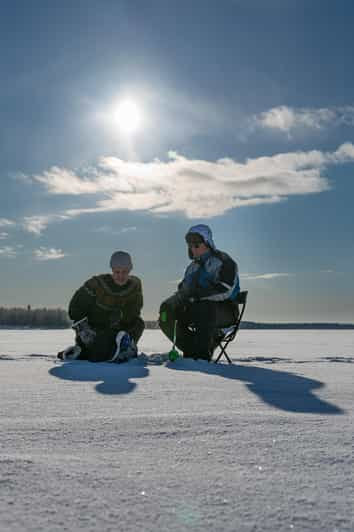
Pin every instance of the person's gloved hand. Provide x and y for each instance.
(189, 295)
(83, 330)
(176, 300)
(194, 299)
(115, 319)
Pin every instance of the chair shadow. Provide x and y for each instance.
(280, 389)
(114, 379)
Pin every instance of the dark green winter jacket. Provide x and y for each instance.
(106, 304)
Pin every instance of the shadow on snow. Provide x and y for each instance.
(280, 389)
(114, 378)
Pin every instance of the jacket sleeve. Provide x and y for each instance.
(133, 308)
(220, 286)
(191, 287)
(190, 281)
(82, 302)
(223, 283)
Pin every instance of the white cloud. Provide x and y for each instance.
(3, 235)
(37, 224)
(128, 229)
(113, 231)
(196, 188)
(287, 119)
(282, 118)
(8, 251)
(43, 253)
(64, 181)
(4, 222)
(265, 276)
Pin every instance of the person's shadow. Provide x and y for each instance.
(279, 389)
(112, 378)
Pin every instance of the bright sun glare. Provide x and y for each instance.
(128, 116)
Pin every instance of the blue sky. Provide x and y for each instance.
(240, 115)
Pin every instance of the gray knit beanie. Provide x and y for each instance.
(121, 259)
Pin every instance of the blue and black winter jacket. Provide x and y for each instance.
(212, 277)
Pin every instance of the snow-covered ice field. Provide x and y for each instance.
(266, 444)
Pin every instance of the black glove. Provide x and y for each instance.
(115, 319)
(83, 330)
(177, 300)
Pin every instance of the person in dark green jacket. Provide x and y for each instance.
(106, 313)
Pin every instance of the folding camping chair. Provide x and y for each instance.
(227, 334)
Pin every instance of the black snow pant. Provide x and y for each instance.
(104, 345)
(196, 325)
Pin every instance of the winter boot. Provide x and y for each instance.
(70, 353)
(126, 348)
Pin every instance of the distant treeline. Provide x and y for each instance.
(55, 318)
(58, 318)
(46, 318)
(255, 325)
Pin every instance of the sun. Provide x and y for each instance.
(128, 116)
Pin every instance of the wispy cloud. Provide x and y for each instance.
(128, 229)
(195, 188)
(44, 254)
(8, 252)
(37, 224)
(265, 276)
(20, 176)
(4, 222)
(275, 275)
(114, 231)
(3, 235)
(288, 119)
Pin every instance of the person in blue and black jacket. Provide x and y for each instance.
(205, 299)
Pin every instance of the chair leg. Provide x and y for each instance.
(223, 352)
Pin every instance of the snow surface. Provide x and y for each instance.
(265, 444)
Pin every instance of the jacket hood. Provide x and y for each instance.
(205, 232)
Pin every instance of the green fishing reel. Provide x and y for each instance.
(173, 355)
